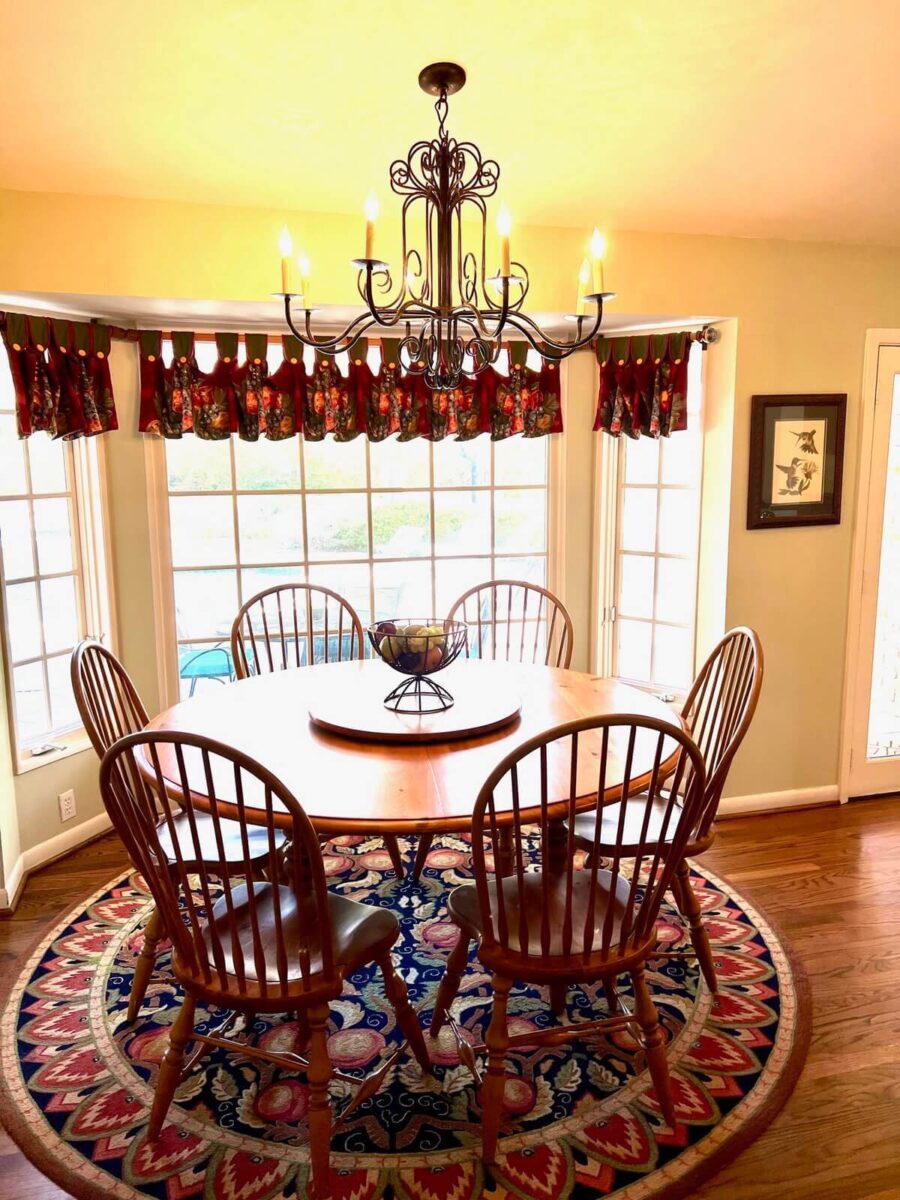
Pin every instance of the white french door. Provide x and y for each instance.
(872, 719)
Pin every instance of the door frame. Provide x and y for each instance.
(876, 340)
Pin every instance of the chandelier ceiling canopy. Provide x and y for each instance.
(453, 314)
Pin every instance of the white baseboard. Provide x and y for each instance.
(46, 852)
(738, 806)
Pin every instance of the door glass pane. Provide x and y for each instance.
(202, 530)
(196, 465)
(530, 569)
(350, 580)
(399, 464)
(642, 460)
(12, 458)
(337, 526)
(48, 466)
(32, 717)
(23, 620)
(260, 466)
(634, 650)
(639, 519)
(63, 710)
(60, 611)
(677, 522)
(271, 528)
(337, 465)
(453, 576)
(403, 590)
(401, 525)
(884, 701)
(520, 460)
(205, 603)
(675, 591)
(54, 538)
(520, 521)
(636, 585)
(462, 464)
(462, 523)
(15, 539)
(671, 656)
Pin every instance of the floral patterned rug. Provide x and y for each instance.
(77, 1079)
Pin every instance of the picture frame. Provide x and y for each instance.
(796, 460)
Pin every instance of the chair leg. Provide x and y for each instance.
(319, 1076)
(558, 993)
(687, 903)
(497, 1042)
(449, 986)
(171, 1067)
(654, 1044)
(611, 993)
(395, 990)
(393, 848)
(145, 964)
(425, 840)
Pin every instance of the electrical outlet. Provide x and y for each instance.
(66, 805)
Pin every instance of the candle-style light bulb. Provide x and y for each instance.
(371, 211)
(598, 250)
(304, 268)
(286, 248)
(583, 276)
(504, 225)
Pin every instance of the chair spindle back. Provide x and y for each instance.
(516, 621)
(107, 700)
(540, 782)
(245, 948)
(719, 709)
(294, 625)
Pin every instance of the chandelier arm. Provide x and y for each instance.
(548, 347)
(328, 345)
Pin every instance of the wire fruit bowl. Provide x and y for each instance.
(418, 649)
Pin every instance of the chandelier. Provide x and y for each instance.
(452, 314)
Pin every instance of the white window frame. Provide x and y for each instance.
(163, 571)
(86, 493)
(608, 499)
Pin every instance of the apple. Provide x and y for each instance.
(433, 658)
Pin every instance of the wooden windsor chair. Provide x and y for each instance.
(718, 712)
(539, 919)
(515, 621)
(110, 709)
(261, 946)
(298, 625)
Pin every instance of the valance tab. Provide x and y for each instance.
(253, 401)
(643, 384)
(60, 373)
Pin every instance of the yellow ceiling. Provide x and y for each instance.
(753, 118)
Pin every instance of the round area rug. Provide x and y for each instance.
(77, 1079)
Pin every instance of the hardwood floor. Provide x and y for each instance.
(829, 878)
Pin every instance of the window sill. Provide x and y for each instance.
(70, 745)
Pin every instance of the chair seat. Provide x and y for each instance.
(360, 933)
(635, 813)
(466, 912)
(232, 841)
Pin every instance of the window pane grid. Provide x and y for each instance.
(40, 689)
(416, 544)
(657, 544)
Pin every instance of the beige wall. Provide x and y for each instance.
(802, 311)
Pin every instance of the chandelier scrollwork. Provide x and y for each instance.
(453, 314)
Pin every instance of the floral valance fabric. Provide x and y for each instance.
(60, 373)
(643, 384)
(248, 399)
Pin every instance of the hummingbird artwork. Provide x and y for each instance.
(798, 476)
(806, 441)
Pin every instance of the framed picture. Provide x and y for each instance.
(796, 460)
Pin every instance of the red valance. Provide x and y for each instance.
(60, 372)
(247, 399)
(643, 384)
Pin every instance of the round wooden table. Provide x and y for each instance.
(348, 785)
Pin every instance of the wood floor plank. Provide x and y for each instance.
(829, 879)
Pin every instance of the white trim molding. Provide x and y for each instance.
(46, 852)
(811, 797)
